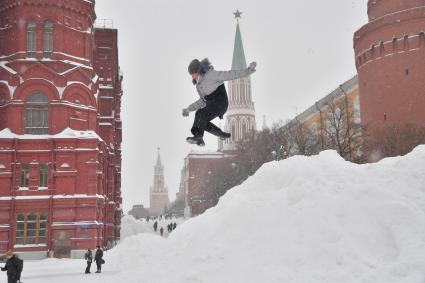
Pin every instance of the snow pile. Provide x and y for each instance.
(131, 226)
(316, 219)
(302, 220)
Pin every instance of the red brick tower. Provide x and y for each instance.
(390, 59)
(60, 129)
(159, 199)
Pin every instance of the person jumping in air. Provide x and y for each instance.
(213, 100)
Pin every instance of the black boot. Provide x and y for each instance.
(196, 140)
(225, 135)
(216, 131)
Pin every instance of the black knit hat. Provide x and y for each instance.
(194, 66)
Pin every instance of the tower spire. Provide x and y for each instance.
(239, 61)
(158, 161)
(238, 15)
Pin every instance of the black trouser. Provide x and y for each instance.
(217, 103)
(88, 267)
(12, 279)
(99, 265)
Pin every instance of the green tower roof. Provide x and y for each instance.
(239, 61)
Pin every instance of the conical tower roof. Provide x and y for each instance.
(158, 160)
(239, 61)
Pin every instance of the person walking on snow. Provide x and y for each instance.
(12, 267)
(155, 226)
(98, 258)
(213, 101)
(161, 231)
(89, 258)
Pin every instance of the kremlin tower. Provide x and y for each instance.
(240, 117)
(159, 199)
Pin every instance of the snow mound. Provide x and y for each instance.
(301, 220)
(130, 226)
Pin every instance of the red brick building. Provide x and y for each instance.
(390, 59)
(60, 129)
(199, 166)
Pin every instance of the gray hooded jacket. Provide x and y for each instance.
(211, 80)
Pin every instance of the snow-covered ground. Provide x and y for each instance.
(130, 226)
(305, 219)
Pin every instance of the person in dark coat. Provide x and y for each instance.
(12, 267)
(213, 101)
(174, 226)
(98, 258)
(161, 231)
(20, 268)
(155, 226)
(89, 258)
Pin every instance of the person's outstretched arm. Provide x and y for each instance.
(232, 75)
(200, 103)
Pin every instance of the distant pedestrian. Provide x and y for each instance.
(155, 225)
(89, 258)
(174, 226)
(12, 267)
(98, 258)
(161, 231)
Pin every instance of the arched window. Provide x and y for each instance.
(48, 39)
(37, 114)
(31, 39)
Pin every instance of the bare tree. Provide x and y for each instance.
(304, 140)
(342, 132)
(281, 141)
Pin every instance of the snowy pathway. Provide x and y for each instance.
(72, 270)
(64, 270)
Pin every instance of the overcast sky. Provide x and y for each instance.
(303, 49)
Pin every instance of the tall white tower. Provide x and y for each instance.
(240, 117)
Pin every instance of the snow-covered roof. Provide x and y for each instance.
(35, 197)
(4, 66)
(65, 134)
(205, 154)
